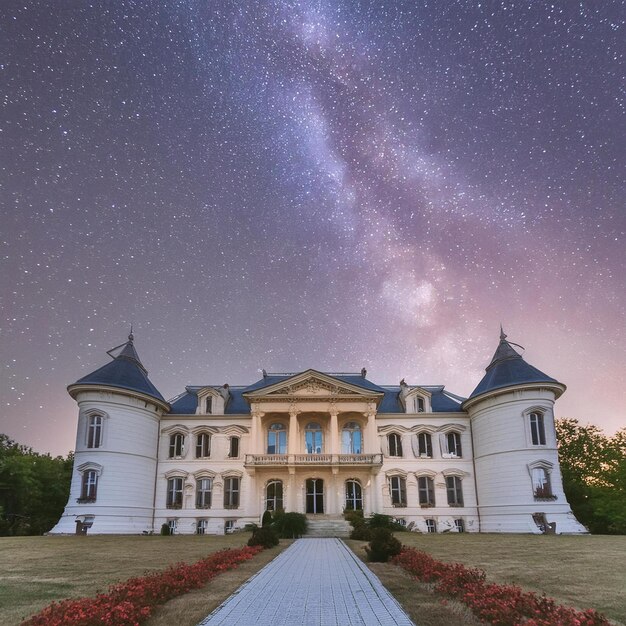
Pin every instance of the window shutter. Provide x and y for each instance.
(443, 443)
(385, 445)
(415, 446)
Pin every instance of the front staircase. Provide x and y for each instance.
(327, 526)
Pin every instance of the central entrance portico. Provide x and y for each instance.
(315, 420)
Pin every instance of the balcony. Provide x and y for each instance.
(272, 460)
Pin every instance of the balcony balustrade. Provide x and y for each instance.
(257, 460)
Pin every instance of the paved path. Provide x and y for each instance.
(314, 582)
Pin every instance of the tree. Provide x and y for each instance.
(593, 466)
(33, 489)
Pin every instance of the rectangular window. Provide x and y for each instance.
(204, 488)
(231, 493)
(177, 444)
(172, 526)
(233, 452)
(431, 526)
(420, 404)
(453, 444)
(395, 445)
(208, 405)
(201, 527)
(459, 524)
(397, 486)
(89, 486)
(426, 490)
(455, 490)
(174, 493)
(425, 445)
(229, 526)
(94, 431)
(541, 484)
(537, 429)
(203, 446)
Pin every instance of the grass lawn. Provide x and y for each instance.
(34, 571)
(585, 572)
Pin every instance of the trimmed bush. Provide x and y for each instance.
(289, 525)
(382, 546)
(165, 530)
(266, 520)
(266, 537)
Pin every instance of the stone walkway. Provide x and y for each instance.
(314, 582)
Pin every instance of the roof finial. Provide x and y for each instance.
(502, 333)
(131, 337)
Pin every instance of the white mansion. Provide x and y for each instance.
(216, 457)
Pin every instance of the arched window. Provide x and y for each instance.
(204, 489)
(354, 495)
(313, 438)
(274, 495)
(395, 444)
(454, 487)
(89, 486)
(277, 439)
(174, 493)
(537, 429)
(203, 446)
(94, 431)
(177, 445)
(426, 491)
(351, 439)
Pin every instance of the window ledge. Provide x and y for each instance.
(426, 506)
(399, 505)
(231, 506)
(545, 498)
(203, 506)
(85, 500)
(174, 506)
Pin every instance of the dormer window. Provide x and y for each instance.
(420, 404)
(208, 405)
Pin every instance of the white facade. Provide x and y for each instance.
(216, 457)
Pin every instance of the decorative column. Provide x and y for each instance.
(371, 444)
(256, 432)
(334, 431)
(292, 442)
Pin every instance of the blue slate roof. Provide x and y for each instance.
(124, 372)
(442, 401)
(508, 368)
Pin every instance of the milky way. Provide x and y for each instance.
(335, 185)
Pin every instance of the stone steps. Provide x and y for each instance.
(328, 528)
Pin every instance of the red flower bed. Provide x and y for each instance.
(131, 602)
(501, 605)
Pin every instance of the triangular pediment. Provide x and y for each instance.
(312, 384)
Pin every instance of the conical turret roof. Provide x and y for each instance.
(125, 371)
(507, 369)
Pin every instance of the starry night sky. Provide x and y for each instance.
(328, 184)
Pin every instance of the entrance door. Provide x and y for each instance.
(354, 496)
(314, 495)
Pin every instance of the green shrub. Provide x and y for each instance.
(265, 536)
(165, 529)
(354, 517)
(362, 532)
(378, 520)
(266, 520)
(289, 525)
(382, 546)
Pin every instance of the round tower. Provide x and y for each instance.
(113, 479)
(519, 484)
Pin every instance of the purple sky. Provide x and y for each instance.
(332, 185)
